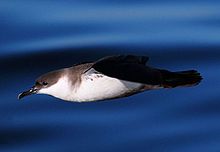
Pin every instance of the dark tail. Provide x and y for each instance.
(181, 78)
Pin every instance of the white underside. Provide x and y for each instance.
(92, 87)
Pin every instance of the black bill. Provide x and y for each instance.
(27, 93)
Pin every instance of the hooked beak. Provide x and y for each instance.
(33, 90)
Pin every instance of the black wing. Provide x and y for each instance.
(128, 67)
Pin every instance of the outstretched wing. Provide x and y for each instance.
(124, 59)
(128, 67)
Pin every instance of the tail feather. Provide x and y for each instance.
(181, 78)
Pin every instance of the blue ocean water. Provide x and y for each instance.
(37, 36)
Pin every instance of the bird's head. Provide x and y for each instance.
(44, 84)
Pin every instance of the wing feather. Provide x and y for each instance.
(129, 68)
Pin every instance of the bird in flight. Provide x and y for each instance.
(109, 78)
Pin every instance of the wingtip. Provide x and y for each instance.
(183, 78)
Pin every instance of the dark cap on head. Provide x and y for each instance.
(44, 81)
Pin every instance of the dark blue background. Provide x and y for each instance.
(37, 36)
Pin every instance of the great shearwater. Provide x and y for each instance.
(108, 78)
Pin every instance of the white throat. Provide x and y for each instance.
(62, 89)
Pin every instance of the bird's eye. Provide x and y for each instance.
(44, 83)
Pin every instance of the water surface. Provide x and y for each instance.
(40, 36)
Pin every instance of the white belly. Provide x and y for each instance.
(99, 87)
